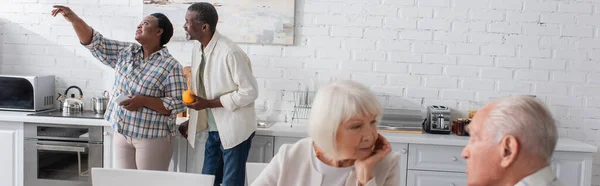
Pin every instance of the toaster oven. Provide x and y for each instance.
(26, 93)
(438, 120)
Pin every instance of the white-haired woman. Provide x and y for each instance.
(344, 147)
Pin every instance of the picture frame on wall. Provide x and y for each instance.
(243, 21)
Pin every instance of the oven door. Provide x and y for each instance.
(58, 163)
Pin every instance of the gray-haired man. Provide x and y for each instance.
(512, 141)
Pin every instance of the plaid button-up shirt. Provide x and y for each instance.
(159, 75)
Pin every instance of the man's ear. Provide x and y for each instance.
(509, 150)
(205, 27)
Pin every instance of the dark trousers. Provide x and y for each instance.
(228, 165)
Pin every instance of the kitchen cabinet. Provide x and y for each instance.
(423, 161)
(402, 150)
(195, 156)
(279, 141)
(430, 165)
(443, 165)
(179, 157)
(427, 159)
(572, 168)
(420, 164)
(262, 149)
(107, 157)
(11, 143)
(435, 178)
(436, 158)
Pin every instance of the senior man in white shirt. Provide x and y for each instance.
(222, 78)
(512, 141)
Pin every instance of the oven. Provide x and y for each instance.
(61, 155)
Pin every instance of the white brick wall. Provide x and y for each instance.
(464, 71)
(464, 48)
(416, 35)
(507, 4)
(457, 52)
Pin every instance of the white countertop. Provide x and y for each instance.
(22, 117)
(299, 130)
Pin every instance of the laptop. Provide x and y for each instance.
(129, 177)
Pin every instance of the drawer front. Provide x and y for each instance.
(433, 178)
(436, 157)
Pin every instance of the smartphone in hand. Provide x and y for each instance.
(121, 98)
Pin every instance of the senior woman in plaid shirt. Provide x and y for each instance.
(152, 79)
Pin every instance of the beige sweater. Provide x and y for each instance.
(293, 165)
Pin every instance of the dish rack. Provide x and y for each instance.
(302, 104)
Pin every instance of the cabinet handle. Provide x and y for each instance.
(403, 151)
(454, 159)
(105, 133)
(269, 144)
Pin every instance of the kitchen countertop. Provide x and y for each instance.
(299, 130)
(23, 117)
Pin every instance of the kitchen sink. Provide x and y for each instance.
(265, 124)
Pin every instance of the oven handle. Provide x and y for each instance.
(60, 148)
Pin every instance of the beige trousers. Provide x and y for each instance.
(141, 153)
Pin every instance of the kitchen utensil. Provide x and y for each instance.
(306, 97)
(302, 104)
(99, 104)
(72, 104)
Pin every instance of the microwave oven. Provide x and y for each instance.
(27, 93)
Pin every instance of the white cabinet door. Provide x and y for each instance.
(195, 156)
(261, 150)
(11, 158)
(107, 143)
(402, 149)
(8, 141)
(279, 141)
(179, 157)
(434, 178)
(573, 168)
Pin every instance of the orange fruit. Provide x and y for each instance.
(187, 97)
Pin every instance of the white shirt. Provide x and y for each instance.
(293, 165)
(331, 175)
(543, 177)
(227, 76)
